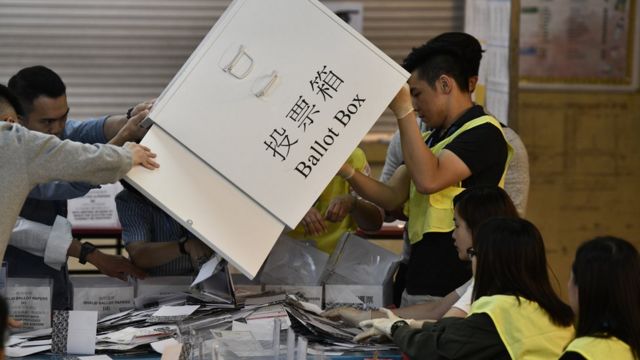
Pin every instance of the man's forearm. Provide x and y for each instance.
(149, 255)
(367, 215)
(112, 126)
(372, 190)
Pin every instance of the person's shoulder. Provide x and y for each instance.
(480, 136)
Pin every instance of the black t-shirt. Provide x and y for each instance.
(434, 267)
(483, 148)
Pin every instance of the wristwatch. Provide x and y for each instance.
(396, 325)
(181, 245)
(85, 249)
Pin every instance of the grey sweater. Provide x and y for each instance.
(28, 158)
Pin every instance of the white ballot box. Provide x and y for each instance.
(273, 101)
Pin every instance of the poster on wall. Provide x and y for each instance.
(489, 21)
(95, 210)
(579, 44)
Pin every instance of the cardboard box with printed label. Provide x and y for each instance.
(359, 273)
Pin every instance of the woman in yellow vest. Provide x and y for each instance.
(472, 207)
(338, 211)
(604, 292)
(515, 314)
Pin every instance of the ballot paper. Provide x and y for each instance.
(17, 351)
(94, 357)
(160, 346)
(252, 129)
(207, 270)
(74, 332)
(172, 313)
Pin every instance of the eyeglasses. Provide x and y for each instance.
(471, 252)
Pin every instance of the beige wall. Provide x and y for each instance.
(584, 152)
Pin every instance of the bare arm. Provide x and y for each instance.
(433, 310)
(367, 215)
(118, 129)
(430, 173)
(148, 255)
(111, 265)
(388, 196)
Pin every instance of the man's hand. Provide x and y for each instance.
(198, 252)
(348, 315)
(13, 323)
(114, 265)
(340, 207)
(142, 155)
(401, 105)
(132, 131)
(313, 223)
(143, 106)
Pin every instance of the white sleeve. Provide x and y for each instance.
(465, 291)
(393, 159)
(49, 242)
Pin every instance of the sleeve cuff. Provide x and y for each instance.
(55, 254)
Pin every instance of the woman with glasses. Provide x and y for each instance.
(515, 314)
(471, 208)
(604, 292)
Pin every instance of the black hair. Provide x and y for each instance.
(607, 273)
(511, 260)
(8, 97)
(477, 204)
(468, 46)
(454, 54)
(32, 82)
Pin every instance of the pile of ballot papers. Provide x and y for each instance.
(247, 329)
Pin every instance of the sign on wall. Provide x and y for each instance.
(579, 44)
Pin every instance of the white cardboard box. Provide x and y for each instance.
(359, 273)
(259, 119)
(102, 294)
(362, 296)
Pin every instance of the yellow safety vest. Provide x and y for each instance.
(593, 348)
(338, 186)
(434, 212)
(525, 328)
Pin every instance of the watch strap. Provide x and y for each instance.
(396, 325)
(85, 249)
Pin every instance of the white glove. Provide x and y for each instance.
(378, 327)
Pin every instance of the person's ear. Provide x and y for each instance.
(473, 81)
(445, 86)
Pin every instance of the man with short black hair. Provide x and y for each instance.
(465, 148)
(28, 158)
(42, 95)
